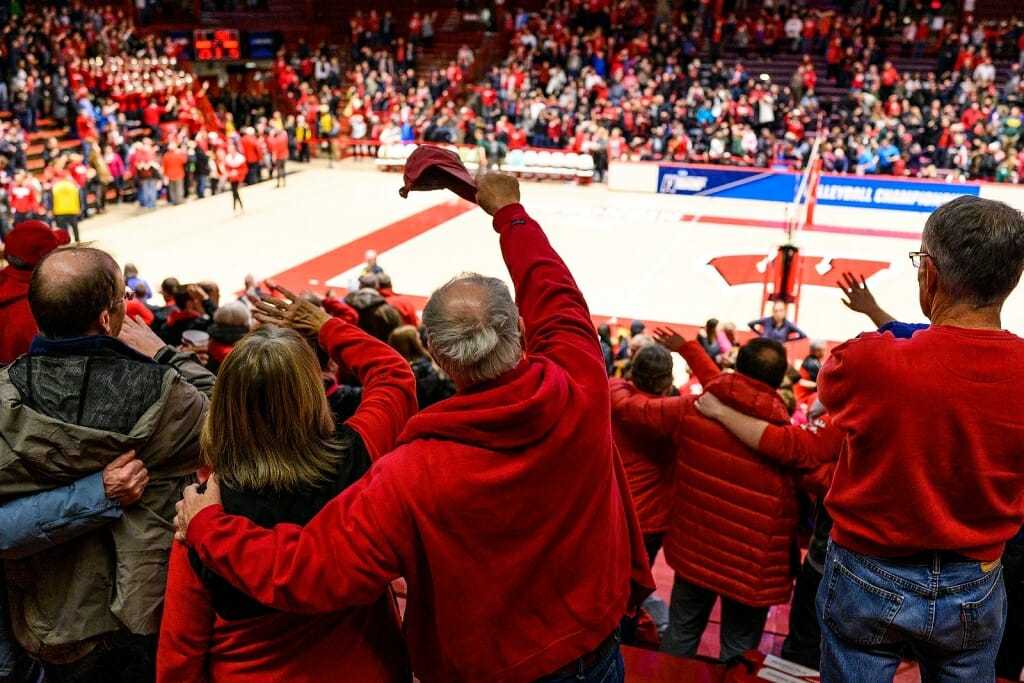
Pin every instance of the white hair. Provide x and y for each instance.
(473, 335)
(233, 313)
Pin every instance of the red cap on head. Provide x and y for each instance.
(30, 241)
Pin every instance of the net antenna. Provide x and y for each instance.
(801, 212)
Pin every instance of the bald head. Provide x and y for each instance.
(473, 329)
(72, 289)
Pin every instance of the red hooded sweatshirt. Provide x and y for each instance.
(504, 507)
(16, 322)
(360, 644)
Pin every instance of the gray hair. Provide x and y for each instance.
(977, 248)
(233, 313)
(472, 326)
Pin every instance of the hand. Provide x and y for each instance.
(709, 406)
(124, 479)
(669, 338)
(495, 191)
(137, 335)
(197, 294)
(202, 351)
(191, 503)
(293, 312)
(858, 297)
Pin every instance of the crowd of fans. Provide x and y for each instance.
(306, 392)
(612, 81)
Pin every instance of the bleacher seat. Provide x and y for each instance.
(585, 169)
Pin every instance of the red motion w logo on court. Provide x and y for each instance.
(820, 271)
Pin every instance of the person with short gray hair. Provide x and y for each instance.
(928, 488)
(516, 471)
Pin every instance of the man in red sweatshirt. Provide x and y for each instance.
(930, 485)
(504, 507)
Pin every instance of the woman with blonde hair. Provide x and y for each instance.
(432, 385)
(278, 457)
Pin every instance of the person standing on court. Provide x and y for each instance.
(776, 326)
(930, 484)
(505, 507)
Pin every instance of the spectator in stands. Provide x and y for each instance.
(474, 331)
(194, 310)
(280, 458)
(132, 279)
(776, 326)
(25, 196)
(811, 451)
(432, 384)
(103, 623)
(67, 204)
(745, 561)
(173, 162)
(24, 248)
(405, 307)
(970, 260)
(231, 322)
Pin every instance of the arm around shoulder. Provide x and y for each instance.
(47, 519)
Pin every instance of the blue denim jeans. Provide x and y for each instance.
(948, 614)
(608, 669)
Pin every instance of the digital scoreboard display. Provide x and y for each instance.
(214, 44)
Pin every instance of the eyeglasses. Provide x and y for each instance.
(916, 256)
(128, 296)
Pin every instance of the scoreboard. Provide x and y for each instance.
(216, 44)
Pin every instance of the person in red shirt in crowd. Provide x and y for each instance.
(24, 247)
(732, 531)
(279, 152)
(136, 307)
(85, 127)
(253, 151)
(24, 197)
(405, 307)
(235, 167)
(928, 488)
(151, 119)
(174, 162)
(471, 487)
(212, 631)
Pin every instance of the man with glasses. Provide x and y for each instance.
(93, 386)
(930, 485)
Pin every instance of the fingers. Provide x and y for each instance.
(122, 460)
(269, 319)
(863, 282)
(288, 295)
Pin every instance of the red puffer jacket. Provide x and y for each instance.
(733, 523)
(647, 459)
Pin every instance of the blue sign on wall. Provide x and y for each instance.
(892, 195)
(731, 183)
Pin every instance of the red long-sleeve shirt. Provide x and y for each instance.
(504, 507)
(934, 455)
(363, 643)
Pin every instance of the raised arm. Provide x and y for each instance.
(43, 520)
(860, 299)
(389, 387)
(557, 320)
(345, 556)
(693, 353)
